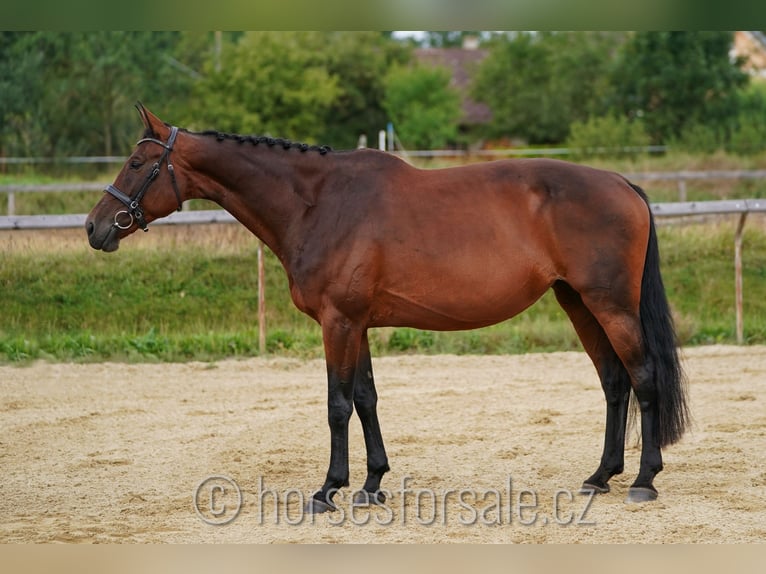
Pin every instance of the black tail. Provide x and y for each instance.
(661, 345)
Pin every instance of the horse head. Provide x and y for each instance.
(145, 189)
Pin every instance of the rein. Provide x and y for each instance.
(133, 204)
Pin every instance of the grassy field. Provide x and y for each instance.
(189, 293)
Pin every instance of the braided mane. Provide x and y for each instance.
(269, 141)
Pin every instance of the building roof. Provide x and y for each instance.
(463, 63)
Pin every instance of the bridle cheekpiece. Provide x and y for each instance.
(134, 210)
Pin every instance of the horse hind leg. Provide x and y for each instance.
(615, 382)
(624, 331)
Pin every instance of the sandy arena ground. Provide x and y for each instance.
(482, 449)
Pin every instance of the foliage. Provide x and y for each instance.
(20, 83)
(749, 135)
(423, 107)
(405, 339)
(360, 61)
(607, 136)
(699, 138)
(72, 93)
(273, 83)
(744, 135)
(537, 84)
(676, 80)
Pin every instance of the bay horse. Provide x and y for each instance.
(369, 241)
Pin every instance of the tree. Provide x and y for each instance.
(677, 79)
(424, 109)
(74, 91)
(360, 61)
(274, 83)
(749, 133)
(537, 84)
(20, 84)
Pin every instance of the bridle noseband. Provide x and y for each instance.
(135, 211)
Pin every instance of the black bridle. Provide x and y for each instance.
(135, 211)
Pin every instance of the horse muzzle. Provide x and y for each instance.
(102, 237)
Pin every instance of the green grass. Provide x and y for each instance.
(190, 294)
(698, 264)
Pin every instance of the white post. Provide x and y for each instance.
(382, 140)
(738, 278)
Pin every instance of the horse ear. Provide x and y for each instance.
(154, 125)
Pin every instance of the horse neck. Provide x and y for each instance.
(266, 188)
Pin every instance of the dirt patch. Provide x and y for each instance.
(482, 449)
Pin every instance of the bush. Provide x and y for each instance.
(423, 107)
(745, 136)
(607, 136)
(406, 339)
(279, 340)
(750, 136)
(699, 139)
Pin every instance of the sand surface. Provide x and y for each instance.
(482, 449)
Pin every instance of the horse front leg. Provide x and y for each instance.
(365, 401)
(342, 340)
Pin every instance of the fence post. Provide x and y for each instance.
(681, 190)
(11, 203)
(738, 278)
(261, 302)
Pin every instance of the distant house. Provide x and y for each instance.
(463, 62)
(751, 47)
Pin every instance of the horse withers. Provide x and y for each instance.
(369, 241)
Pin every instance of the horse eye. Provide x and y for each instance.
(135, 164)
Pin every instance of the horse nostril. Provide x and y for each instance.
(90, 227)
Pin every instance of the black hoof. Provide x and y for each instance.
(588, 488)
(364, 498)
(316, 506)
(641, 494)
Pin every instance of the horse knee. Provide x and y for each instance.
(365, 399)
(339, 413)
